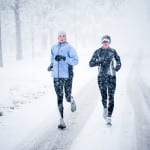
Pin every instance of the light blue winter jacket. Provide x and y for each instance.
(60, 68)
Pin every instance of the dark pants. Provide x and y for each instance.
(107, 86)
(63, 85)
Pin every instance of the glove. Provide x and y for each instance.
(50, 68)
(117, 68)
(60, 57)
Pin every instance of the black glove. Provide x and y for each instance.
(60, 57)
(117, 68)
(50, 68)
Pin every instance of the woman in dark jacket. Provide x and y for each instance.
(109, 63)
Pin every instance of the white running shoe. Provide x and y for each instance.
(73, 105)
(109, 121)
(62, 124)
(105, 113)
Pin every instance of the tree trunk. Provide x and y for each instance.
(32, 40)
(44, 42)
(18, 31)
(1, 54)
(51, 36)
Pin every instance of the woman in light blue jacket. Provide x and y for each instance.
(63, 58)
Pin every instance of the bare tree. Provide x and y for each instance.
(16, 9)
(32, 43)
(1, 54)
(3, 7)
(54, 10)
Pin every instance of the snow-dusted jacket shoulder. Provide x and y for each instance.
(60, 68)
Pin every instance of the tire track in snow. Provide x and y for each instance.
(141, 108)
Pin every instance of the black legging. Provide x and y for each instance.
(107, 86)
(61, 84)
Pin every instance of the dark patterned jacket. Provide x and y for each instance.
(107, 60)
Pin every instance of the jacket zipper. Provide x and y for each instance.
(58, 61)
(99, 59)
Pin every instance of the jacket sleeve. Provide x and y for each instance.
(95, 60)
(118, 61)
(72, 58)
(52, 56)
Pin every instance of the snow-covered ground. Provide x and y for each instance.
(139, 95)
(23, 102)
(30, 114)
(122, 135)
(28, 100)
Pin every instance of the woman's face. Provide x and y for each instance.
(105, 44)
(62, 38)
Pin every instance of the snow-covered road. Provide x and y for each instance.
(139, 95)
(121, 135)
(33, 125)
(56, 139)
(86, 128)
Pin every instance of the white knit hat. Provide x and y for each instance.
(61, 33)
